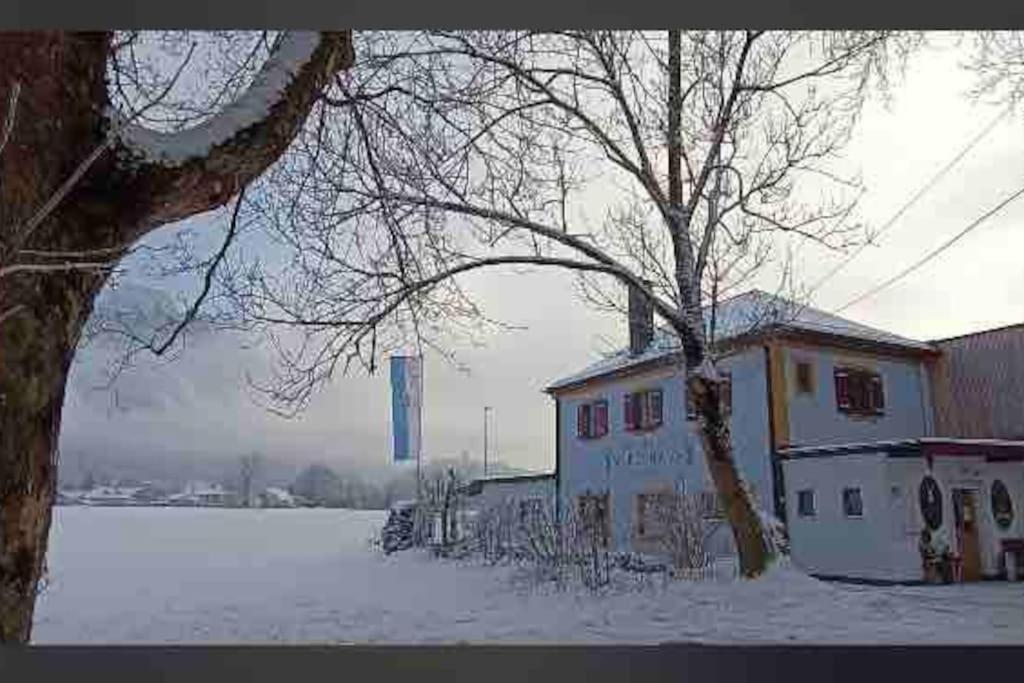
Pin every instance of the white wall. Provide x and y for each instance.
(815, 420)
(502, 491)
(883, 544)
(829, 542)
(903, 528)
(975, 473)
(628, 463)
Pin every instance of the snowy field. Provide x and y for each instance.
(177, 575)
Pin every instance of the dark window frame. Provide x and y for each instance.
(804, 377)
(848, 497)
(639, 413)
(802, 496)
(725, 396)
(589, 427)
(859, 391)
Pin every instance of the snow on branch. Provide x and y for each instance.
(294, 50)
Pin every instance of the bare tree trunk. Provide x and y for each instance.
(717, 445)
(751, 542)
(37, 349)
(61, 77)
(60, 123)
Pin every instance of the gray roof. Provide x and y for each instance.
(746, 313)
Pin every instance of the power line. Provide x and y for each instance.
(914, 199)
(935, 252)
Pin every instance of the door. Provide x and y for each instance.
(965, 516)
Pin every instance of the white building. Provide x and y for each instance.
(538, 488)
(857, 510)
(799, 382)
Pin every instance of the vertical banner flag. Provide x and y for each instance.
(406, 399)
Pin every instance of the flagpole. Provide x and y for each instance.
(419, 429)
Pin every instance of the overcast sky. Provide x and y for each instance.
(199, 403)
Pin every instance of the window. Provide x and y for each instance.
(859, 392)
(594, 512)
(651, 512)
(853, 505)
(724, 397)
(804, 377)
(1002, 506)
(805, 503)
(642, 410)
(592, 419)
(711, 505)
(930, 500)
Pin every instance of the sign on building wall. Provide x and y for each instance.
(406, 406)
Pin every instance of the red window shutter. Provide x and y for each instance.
(878, 394)
(859, 390)
(600, 418)
(655, 407)
(627, 412)
(583, 420)
(842, 390)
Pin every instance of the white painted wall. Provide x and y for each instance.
(829, 542)
(496, 492)
(975, 473)
(815, 420)
(883, 545)
(627, 464)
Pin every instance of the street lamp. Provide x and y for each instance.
(487, 409)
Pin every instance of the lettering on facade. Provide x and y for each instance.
(647, 457)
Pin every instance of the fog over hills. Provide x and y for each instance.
(192, 417)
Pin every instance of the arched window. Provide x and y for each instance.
(931, 503)
(1002, 506)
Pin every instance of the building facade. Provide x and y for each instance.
(795, 376)
(801, 383)
(858, 510)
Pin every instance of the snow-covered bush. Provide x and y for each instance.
(684, 527)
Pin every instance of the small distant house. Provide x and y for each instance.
(534, 489)
(274, 497)
(518, 495)
(109, 496)
(67, 497)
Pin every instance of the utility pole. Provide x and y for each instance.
(487, 409)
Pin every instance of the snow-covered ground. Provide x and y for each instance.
(173, 575)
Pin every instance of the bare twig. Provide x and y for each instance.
(11, 116)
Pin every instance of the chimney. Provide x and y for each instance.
(641, 320)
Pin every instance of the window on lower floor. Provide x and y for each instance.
(711, 505)
(853, 505)
(652, 511)
(805, 503)
(595, 516)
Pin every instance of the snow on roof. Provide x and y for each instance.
(279, 493)
(743, 314)
(939, 445)
(497, 478)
